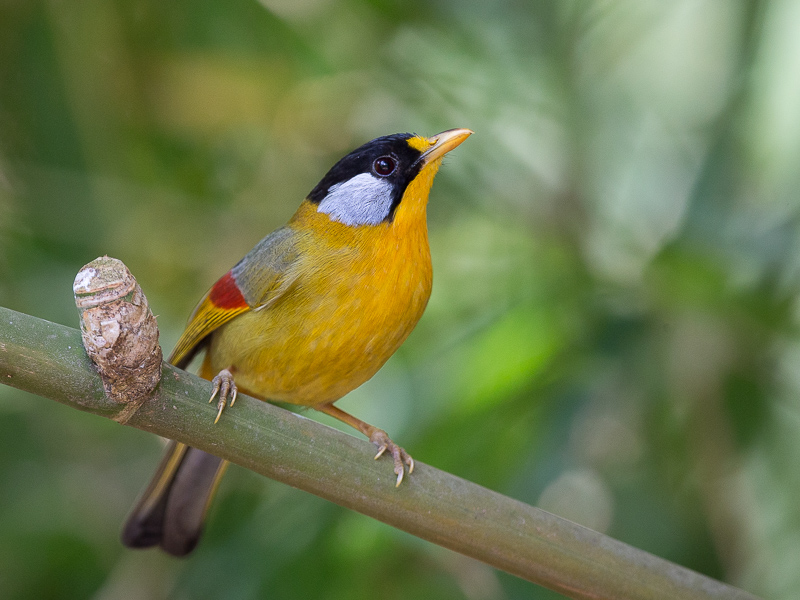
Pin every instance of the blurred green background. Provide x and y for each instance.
(613, 333)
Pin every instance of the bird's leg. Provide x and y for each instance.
(224, 385)
(377, 437)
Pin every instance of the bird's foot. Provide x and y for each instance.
(224, 385)
(401, 457)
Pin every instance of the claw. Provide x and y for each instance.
(224, 385)
(400, 457)
(219, 412)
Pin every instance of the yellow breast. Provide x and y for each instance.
(358, 294)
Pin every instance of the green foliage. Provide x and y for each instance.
(613, 330)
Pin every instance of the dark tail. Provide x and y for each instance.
(172, 510)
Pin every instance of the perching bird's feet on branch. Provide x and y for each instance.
(377, 437)
(224, 385)
(401, 457)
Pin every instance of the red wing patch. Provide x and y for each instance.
(222, 303)
(225, 294)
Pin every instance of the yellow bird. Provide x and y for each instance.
(309, 314)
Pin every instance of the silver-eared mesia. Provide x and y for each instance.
(309, 314)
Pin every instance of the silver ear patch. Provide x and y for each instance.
(361, 200)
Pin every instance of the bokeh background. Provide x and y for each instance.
(613, 333)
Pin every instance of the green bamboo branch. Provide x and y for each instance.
(49, 360)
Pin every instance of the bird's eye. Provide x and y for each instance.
(384, 166)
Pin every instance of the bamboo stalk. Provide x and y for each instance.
(48, 359)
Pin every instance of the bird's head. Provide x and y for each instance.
(391, 173)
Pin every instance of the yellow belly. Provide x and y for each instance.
(358, 294)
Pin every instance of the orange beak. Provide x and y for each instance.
(442, 143)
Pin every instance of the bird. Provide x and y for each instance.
(309, 314)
